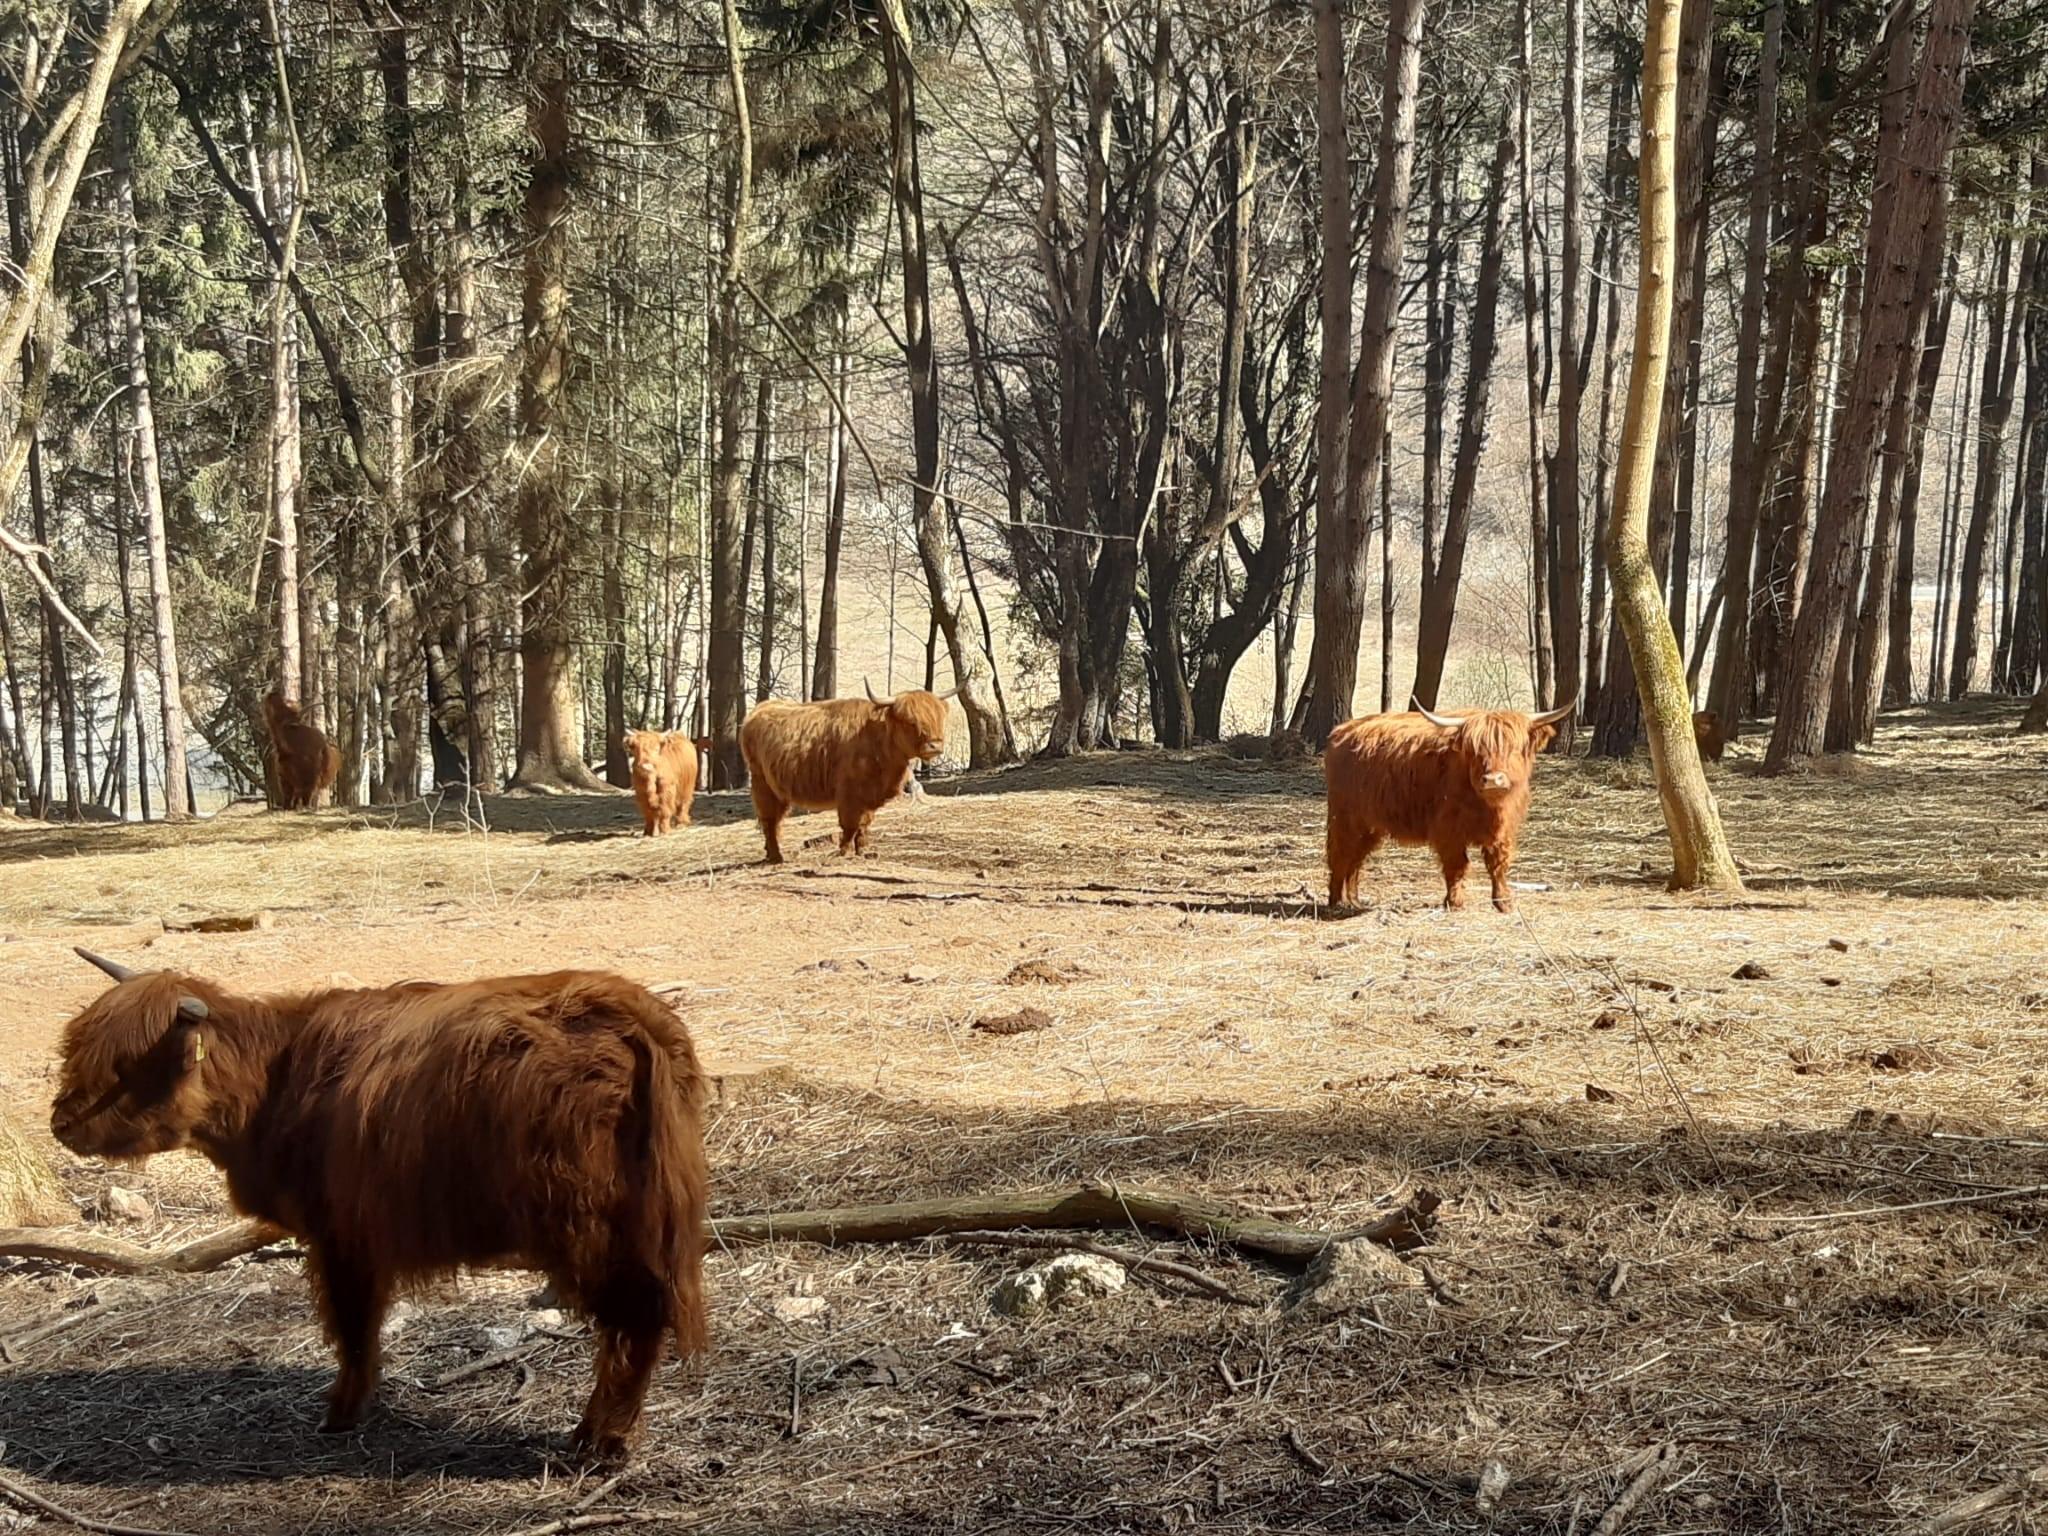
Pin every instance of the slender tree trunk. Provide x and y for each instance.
(550, 725)
(1533, 322)
(149, 482)
(1951, 510)
(725, 687)
(1567, 534)
(1441, 254)
(1908, 215)
(760, 531)
(825, 669)
(1440, 599)
(1341, 579)
(1895, 686)
(1700, 856)
(1603, 468)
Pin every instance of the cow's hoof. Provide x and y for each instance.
(339, 1420)
(1503, 904)
(599, 1451)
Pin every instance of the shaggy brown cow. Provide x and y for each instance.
(1451, 781)
(306, 762)
(664, 765)
(852, 755)
(1706, 730)
(544, 1122)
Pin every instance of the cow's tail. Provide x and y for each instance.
(669, 1228)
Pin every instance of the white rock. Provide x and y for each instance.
(548, 1317)
(397, 1319)
(1348, 1276)
(798, 1309)
(1019, 1295)
(497, 1339)
(1073, 1278)
(127, 1204)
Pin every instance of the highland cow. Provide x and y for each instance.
(304, 760)
(850, 755)
(664, 765)
(1453, 782)
(1707, 733)
(543, 1122)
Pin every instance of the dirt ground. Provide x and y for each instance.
(1651, 1169)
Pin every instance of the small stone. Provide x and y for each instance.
(1347, 1276)
(397, 1319)
(1493, 1482)
(548, 1317)
(1073, 1278)
(1019, 1295)
(1749, 970)
(1839, 946)
(127, 1204)
(798, 1309)
(497, 1340)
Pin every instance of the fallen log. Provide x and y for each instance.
(1088, 1207)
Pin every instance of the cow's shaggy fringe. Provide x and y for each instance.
(850, 755)
(551, 1122)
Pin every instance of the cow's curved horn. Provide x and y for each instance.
(112, 967)
(949, 693)
(1552, 716)
(870, 687)
(1445, 722)
(188, 1007)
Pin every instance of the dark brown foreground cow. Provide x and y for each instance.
(850, 755)
(1452, 781)
(664, 765)
(543, 1122)
(306, 762)
(1706, 730)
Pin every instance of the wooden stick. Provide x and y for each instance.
(31, 1499)
(1638, 1490)
(1135, 1261)
(1984, 1197)
(111, 1256)
(483, 1363)
(674, 1522)
(1977, 1505)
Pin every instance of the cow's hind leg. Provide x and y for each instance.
(1455, 861)
(853, 829)
(769, 809)
(1346, 852)
(631, 1312)
(352, 1296)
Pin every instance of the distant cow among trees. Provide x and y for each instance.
(849, 755)
(546, 1122)
(305, 762)
(1454, 782)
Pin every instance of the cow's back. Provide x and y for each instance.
(480, 1121)
(806, 751)
(1389, 773)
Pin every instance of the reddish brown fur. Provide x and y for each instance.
(1706, 730)
(664, 765)
(1399, 776)
(545, 1122)
(306, 762)
(851, 755)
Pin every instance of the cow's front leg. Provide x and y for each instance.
(352, 1297)
(1500, 857)
(1454, 861)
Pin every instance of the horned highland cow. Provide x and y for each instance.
(544, 1122)
(664, 765)
(850, 755)
(305, 761)
(1454, 782)
(1707, 732)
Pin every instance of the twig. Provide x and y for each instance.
(481, 1364)
(673, 1521)
(596, 1494)
(1987, 1197)
(1963, 1511)
(29, 1498)
(1136, 1261)
(110, 1256)
(1638, 1490)
(796, 1399)
(9, 1343)
(1309, 1458)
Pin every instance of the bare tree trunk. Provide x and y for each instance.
(725, 684)
(1994, 412)
(1603, 468)
(825, 669)
(149, 482)
(760, 531)
(1341, 580)
(1700, 856)
(550, 725)
(1568, 536)
(1951, 509)
(1440, 597)
(1728, 692)
(1544, 653)
(1908, 216)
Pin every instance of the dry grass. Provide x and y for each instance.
(1213, 1029)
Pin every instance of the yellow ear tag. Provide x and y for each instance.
(199, 1048)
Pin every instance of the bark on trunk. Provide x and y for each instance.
(725, 686)
(1567, 536)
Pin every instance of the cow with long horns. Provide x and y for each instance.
(849, 755)
(1454, 782)
(544, 1122)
